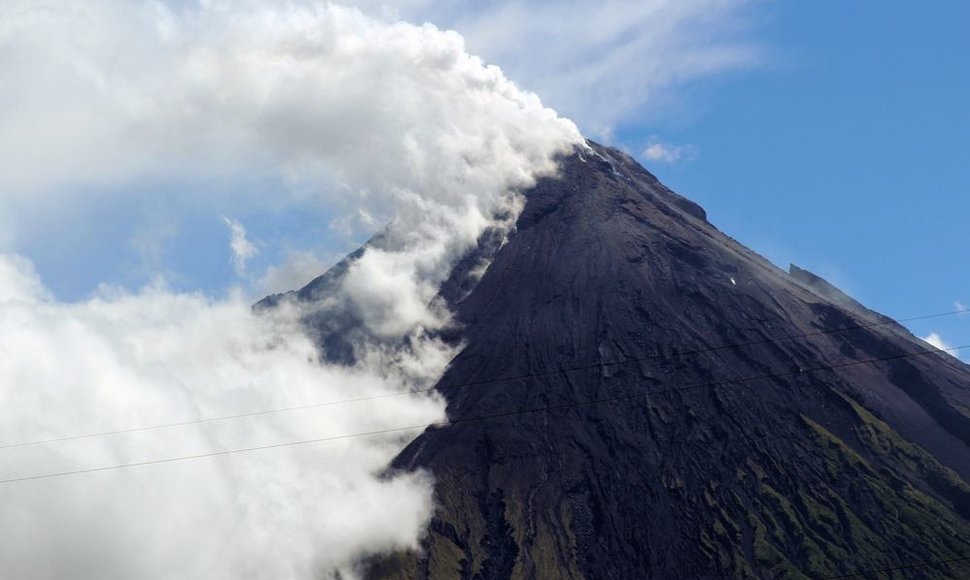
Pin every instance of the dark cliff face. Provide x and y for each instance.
(833, 466)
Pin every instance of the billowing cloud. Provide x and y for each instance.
(302, 106)
(130, 360)
(140, 79)
(111, 99)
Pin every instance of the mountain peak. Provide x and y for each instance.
(639, 395)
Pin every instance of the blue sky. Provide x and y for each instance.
(829, 134)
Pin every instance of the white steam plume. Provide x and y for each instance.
(390, 121)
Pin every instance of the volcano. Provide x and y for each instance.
(640, 396)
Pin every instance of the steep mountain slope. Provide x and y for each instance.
(647, 461)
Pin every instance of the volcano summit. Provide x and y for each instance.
(640, 396)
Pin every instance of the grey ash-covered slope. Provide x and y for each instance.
(810, 474)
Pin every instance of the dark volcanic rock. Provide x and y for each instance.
(834, 466)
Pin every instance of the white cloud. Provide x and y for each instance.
(155, 357)
(960, 306)
(225, 89)
(660, 152)
(110, 100)
(240, 246)
(389, 120)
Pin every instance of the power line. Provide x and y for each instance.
(898, 568)
(467, 384)
(477, 418)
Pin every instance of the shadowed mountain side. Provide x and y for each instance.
(810, 474)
